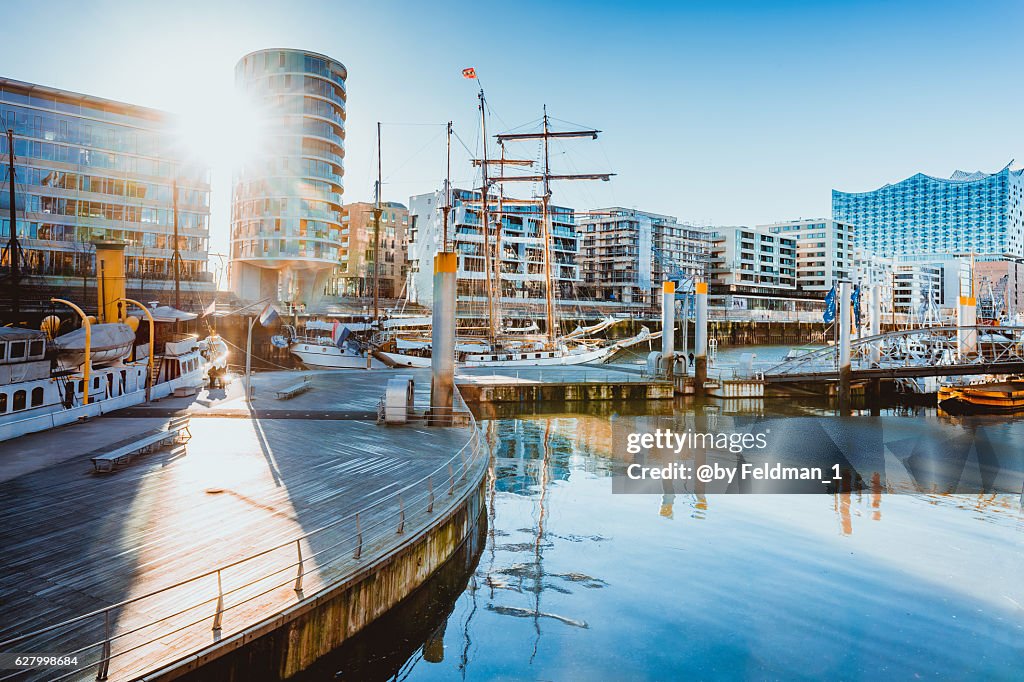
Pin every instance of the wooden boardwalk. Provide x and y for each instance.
(74, 542)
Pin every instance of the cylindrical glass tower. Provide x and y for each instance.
(286, 222)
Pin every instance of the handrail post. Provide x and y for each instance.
(401, 515)
(451, 480)
(430, 486)
(298, 576)
(220, 604)
(359, 538)
(104, 669)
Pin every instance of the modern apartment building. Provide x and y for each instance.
(751, 270)
(965, 213)
(521, 248)
(354, 275)
(286, 217)
(626, 254)
(89, 169)
(824, 251)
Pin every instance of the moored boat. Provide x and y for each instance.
(988, 397)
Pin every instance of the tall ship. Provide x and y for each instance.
(499, 342)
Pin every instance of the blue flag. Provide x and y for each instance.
(830, 305)
(855, 302)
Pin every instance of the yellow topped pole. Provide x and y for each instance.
(88, 343)
(152, 343)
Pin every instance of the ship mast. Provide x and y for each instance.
(14, 252)
(376, 232)
(485, 223)
(545, 179)
(176, 257)
(447, 209)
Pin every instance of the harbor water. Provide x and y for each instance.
(575, 582)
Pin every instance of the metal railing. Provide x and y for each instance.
(932, 346)
(211, 595)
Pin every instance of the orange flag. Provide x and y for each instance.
(469, 73)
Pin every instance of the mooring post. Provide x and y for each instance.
(875, 321)
(967, 316)
(668, 326)
(845, 326)
(442, 358)
(700, 337)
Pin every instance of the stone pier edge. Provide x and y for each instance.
(319, 623)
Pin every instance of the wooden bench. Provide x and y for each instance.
(295, 389)
(176, 432)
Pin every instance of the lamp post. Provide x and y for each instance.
(152, 341)
(88, 344)
(248, 359)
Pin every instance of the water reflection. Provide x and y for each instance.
(577, 583)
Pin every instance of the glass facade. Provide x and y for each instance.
(968, 212)
(89, 169)
(287, 201)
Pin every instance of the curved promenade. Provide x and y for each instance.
(267, 543)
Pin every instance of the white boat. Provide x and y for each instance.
(321, 354)
(37, 393)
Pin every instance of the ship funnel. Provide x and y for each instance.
(110, 280)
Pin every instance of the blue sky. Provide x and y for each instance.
(722, 113)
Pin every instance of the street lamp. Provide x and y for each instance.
(152, 343)
(88, 343)
(248, 359)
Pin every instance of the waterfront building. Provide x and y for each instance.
(286, 216)
(626, 254)
(928, 288)
(967, 212)
(869, 269)
(355, 272)
(753, 276)
(522, 250)
(999, 289)
(90, 169)
(824, 251)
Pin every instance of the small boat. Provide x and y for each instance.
(987, 397)
(110, 342)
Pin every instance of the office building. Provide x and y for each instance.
(522, 249)
(354, 274)
(286, 216)
(89, 169)
(824, 251)
(626, 254)
(965, 213)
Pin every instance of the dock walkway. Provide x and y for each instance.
(75, 543)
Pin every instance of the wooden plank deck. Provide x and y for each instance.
(73, 542)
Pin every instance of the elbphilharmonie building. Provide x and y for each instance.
(966, 213)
